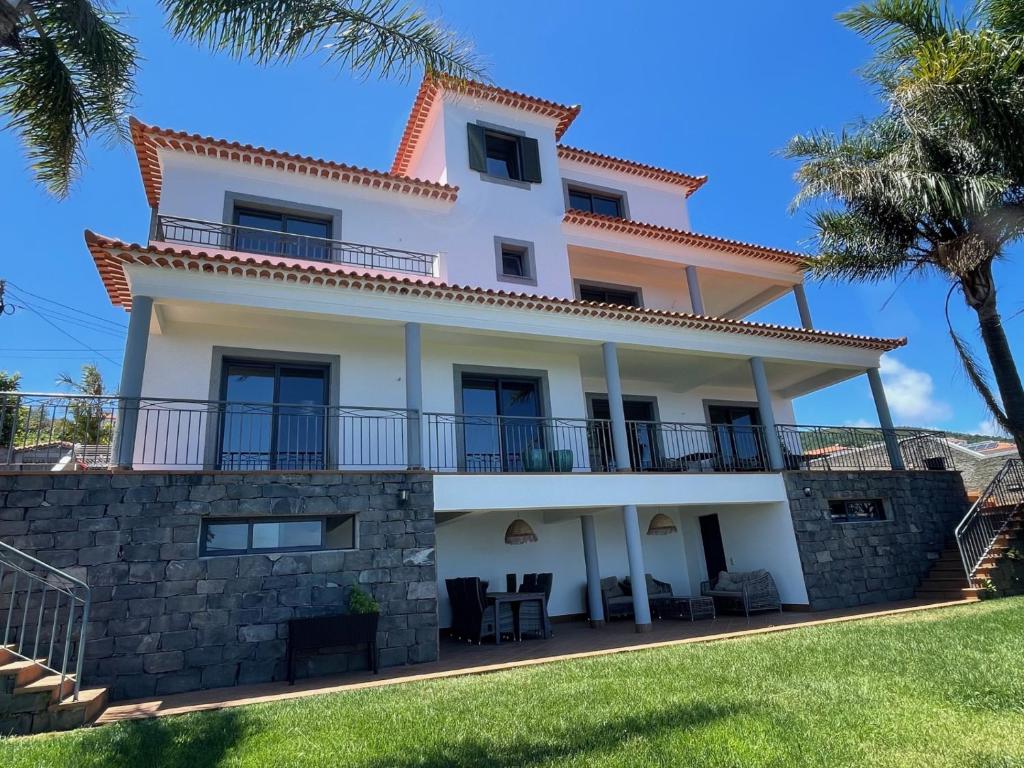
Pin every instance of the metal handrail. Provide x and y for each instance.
(234, 237)
(19, 566)
(989, 516)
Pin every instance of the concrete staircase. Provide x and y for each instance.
(946, 580)
(34, 700)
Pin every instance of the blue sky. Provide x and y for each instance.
(706, 88)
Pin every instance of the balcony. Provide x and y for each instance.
(70, 432)
(231, 237)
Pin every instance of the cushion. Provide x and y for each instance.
(611, 587)
(729, 582)
(620, 600)
(655, 587)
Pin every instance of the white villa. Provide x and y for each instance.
(336, 375)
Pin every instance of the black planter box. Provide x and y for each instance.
(330, 632)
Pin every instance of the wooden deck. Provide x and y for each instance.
(571, 640)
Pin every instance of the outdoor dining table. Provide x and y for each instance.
(515, 600)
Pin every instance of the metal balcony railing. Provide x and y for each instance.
(231, 237)
(40, 430)
(862, 448)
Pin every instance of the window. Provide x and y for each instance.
(514, 261)
(274, 416)
(503, 155)
(595, 202)
(628, 297)
(234, 537)
(282, 234)
(501, 422)
(856, 510)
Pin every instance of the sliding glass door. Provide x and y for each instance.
(737, 432)
(274, 416)
(500, 422)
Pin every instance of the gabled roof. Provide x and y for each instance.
(585, 156)
(432, 87)
(655, 232)
(112, 255)
(148, 139)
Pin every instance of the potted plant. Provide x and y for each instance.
(363, 615)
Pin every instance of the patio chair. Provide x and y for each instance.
(617, 603)
(472, 618)
(657, 591)
(533, 619)
(747, 591)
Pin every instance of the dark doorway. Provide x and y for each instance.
(640, 430)
(501, 422)
(714, 550)
(737, 432)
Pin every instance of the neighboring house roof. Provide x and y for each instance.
(990, 447)
(667, 234)
(111, 255)
(148, 139)
(432, 87)
(691, 183)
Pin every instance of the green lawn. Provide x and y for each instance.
(943, 687)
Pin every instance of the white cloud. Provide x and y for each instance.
(991, 428)
(860, 423)
(911, 394)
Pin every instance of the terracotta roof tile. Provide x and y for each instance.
(585, 156)
(150, 138)
(111, 255)
(656, 232)
(431, 87)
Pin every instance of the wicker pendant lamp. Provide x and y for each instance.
(661, 525)
(519, 532)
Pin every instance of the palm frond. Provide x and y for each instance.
(975, 373)
(892, 24)
(69, 77)
(1006, 16)
(368, 36)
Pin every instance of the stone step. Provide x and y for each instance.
(22, 671)
(58, 688)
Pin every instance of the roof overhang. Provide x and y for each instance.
(606, 162)
(428, 96)
(114, 257)
(149, 140)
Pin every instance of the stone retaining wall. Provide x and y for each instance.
(165, 620)
(847, 564)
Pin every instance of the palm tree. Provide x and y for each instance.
(67, 70)
(89, 423)
(935, 184)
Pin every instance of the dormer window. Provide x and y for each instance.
(591, 201)
(503, 155)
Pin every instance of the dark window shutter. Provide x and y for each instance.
(477, 147)
(531, 159)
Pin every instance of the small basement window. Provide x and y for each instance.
(237, 537)
(856, 510)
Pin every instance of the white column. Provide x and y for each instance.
(802, 306)
(892, 444)
(637, 570)
(413, 396)
(620, 438)
(764, 406)
(594, 602)
(693, 284)
(630, 519)
(130, 389)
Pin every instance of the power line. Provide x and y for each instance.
(47, 320)
(76, 310)
(55, 349)
(85, 323)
